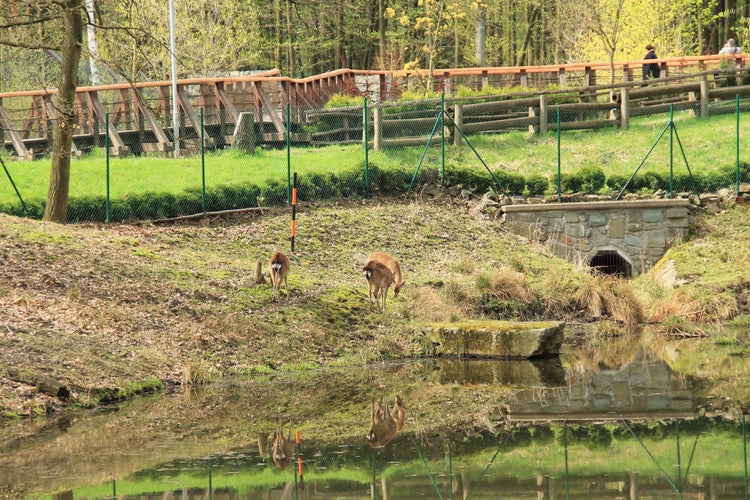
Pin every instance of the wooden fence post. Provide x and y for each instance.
(458, 116)
(244, 133)
(625, 108)
(704, 96)
(540, 126)
(377, 128)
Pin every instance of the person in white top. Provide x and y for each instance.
(730, 48)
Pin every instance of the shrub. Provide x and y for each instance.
(616, 181)
(686, 182)
(87, 208)
(274, 192)
(510, 182)
(536, 184)
(344, 101)
(351, 182)
(570, 183)
(718, 180)
(592, 179)
(649, 180)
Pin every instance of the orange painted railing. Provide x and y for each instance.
(27, 116)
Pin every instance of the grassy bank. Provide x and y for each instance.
(107, 309)
(701, 155)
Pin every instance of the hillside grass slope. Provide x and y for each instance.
(115, 310)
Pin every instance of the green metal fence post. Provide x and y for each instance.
(210, 484)
(288, 157)
(450, 471)
(106, 162)
(679, 458)
(203, 166)
(442, 137)
(737, 145)
(372, 468)
(567, 472)
(366, 138)
(559, 192)
(671, 151)
(744, 453)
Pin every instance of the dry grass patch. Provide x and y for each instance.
(429, 304)
(681, 307)
(606, 296)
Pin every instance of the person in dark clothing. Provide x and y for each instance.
(650, 70)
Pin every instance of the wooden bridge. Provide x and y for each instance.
(137, 116)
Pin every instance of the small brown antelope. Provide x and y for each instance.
(283, 452)
(279, 267)
(384, 422)
(391, 264)
(379, 279)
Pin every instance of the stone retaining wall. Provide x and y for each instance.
(639, 231)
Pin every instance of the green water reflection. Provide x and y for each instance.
(699, 457)
(566, 428)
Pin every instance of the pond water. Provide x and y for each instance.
(617, 427)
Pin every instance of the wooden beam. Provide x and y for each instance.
(52, 114)
(226, 103)
(164, 144)
(15, 137)
(278, 123)
(192, 115)
(116, 143)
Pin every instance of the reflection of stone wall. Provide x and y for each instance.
(523, 373)
(641, 231)
(644, 385)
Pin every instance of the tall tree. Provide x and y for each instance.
(56, 26)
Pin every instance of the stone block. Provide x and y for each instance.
(617, 227)
(653, 216)
(503, 339)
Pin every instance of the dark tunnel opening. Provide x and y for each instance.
(610, 262)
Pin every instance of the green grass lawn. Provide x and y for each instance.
(704, 145)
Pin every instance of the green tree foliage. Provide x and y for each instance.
(314, 36)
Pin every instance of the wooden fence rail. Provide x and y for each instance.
(140, 113)
(595, 107)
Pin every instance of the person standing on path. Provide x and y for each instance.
(651, 70)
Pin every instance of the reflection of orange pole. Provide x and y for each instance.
(299, 457)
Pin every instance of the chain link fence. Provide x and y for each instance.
(558, 146)
(670, 458)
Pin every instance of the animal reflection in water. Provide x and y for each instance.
(282, 451)
(385, 422)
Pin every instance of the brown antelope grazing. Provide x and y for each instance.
(283, 447)
(379, 279)
(384, 422)
(391, 264)
(279, 266)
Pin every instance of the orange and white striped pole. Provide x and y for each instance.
(294, 210)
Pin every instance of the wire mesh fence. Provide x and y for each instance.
(671, 458)
(558, 146)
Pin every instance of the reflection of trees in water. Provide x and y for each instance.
(609, 352)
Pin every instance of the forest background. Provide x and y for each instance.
(129, 40)
(43, 42)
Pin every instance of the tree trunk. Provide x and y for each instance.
(57, 194)
(290, 39)
(481, 36)
(277, 33)
(381, 33)
(531, 24)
